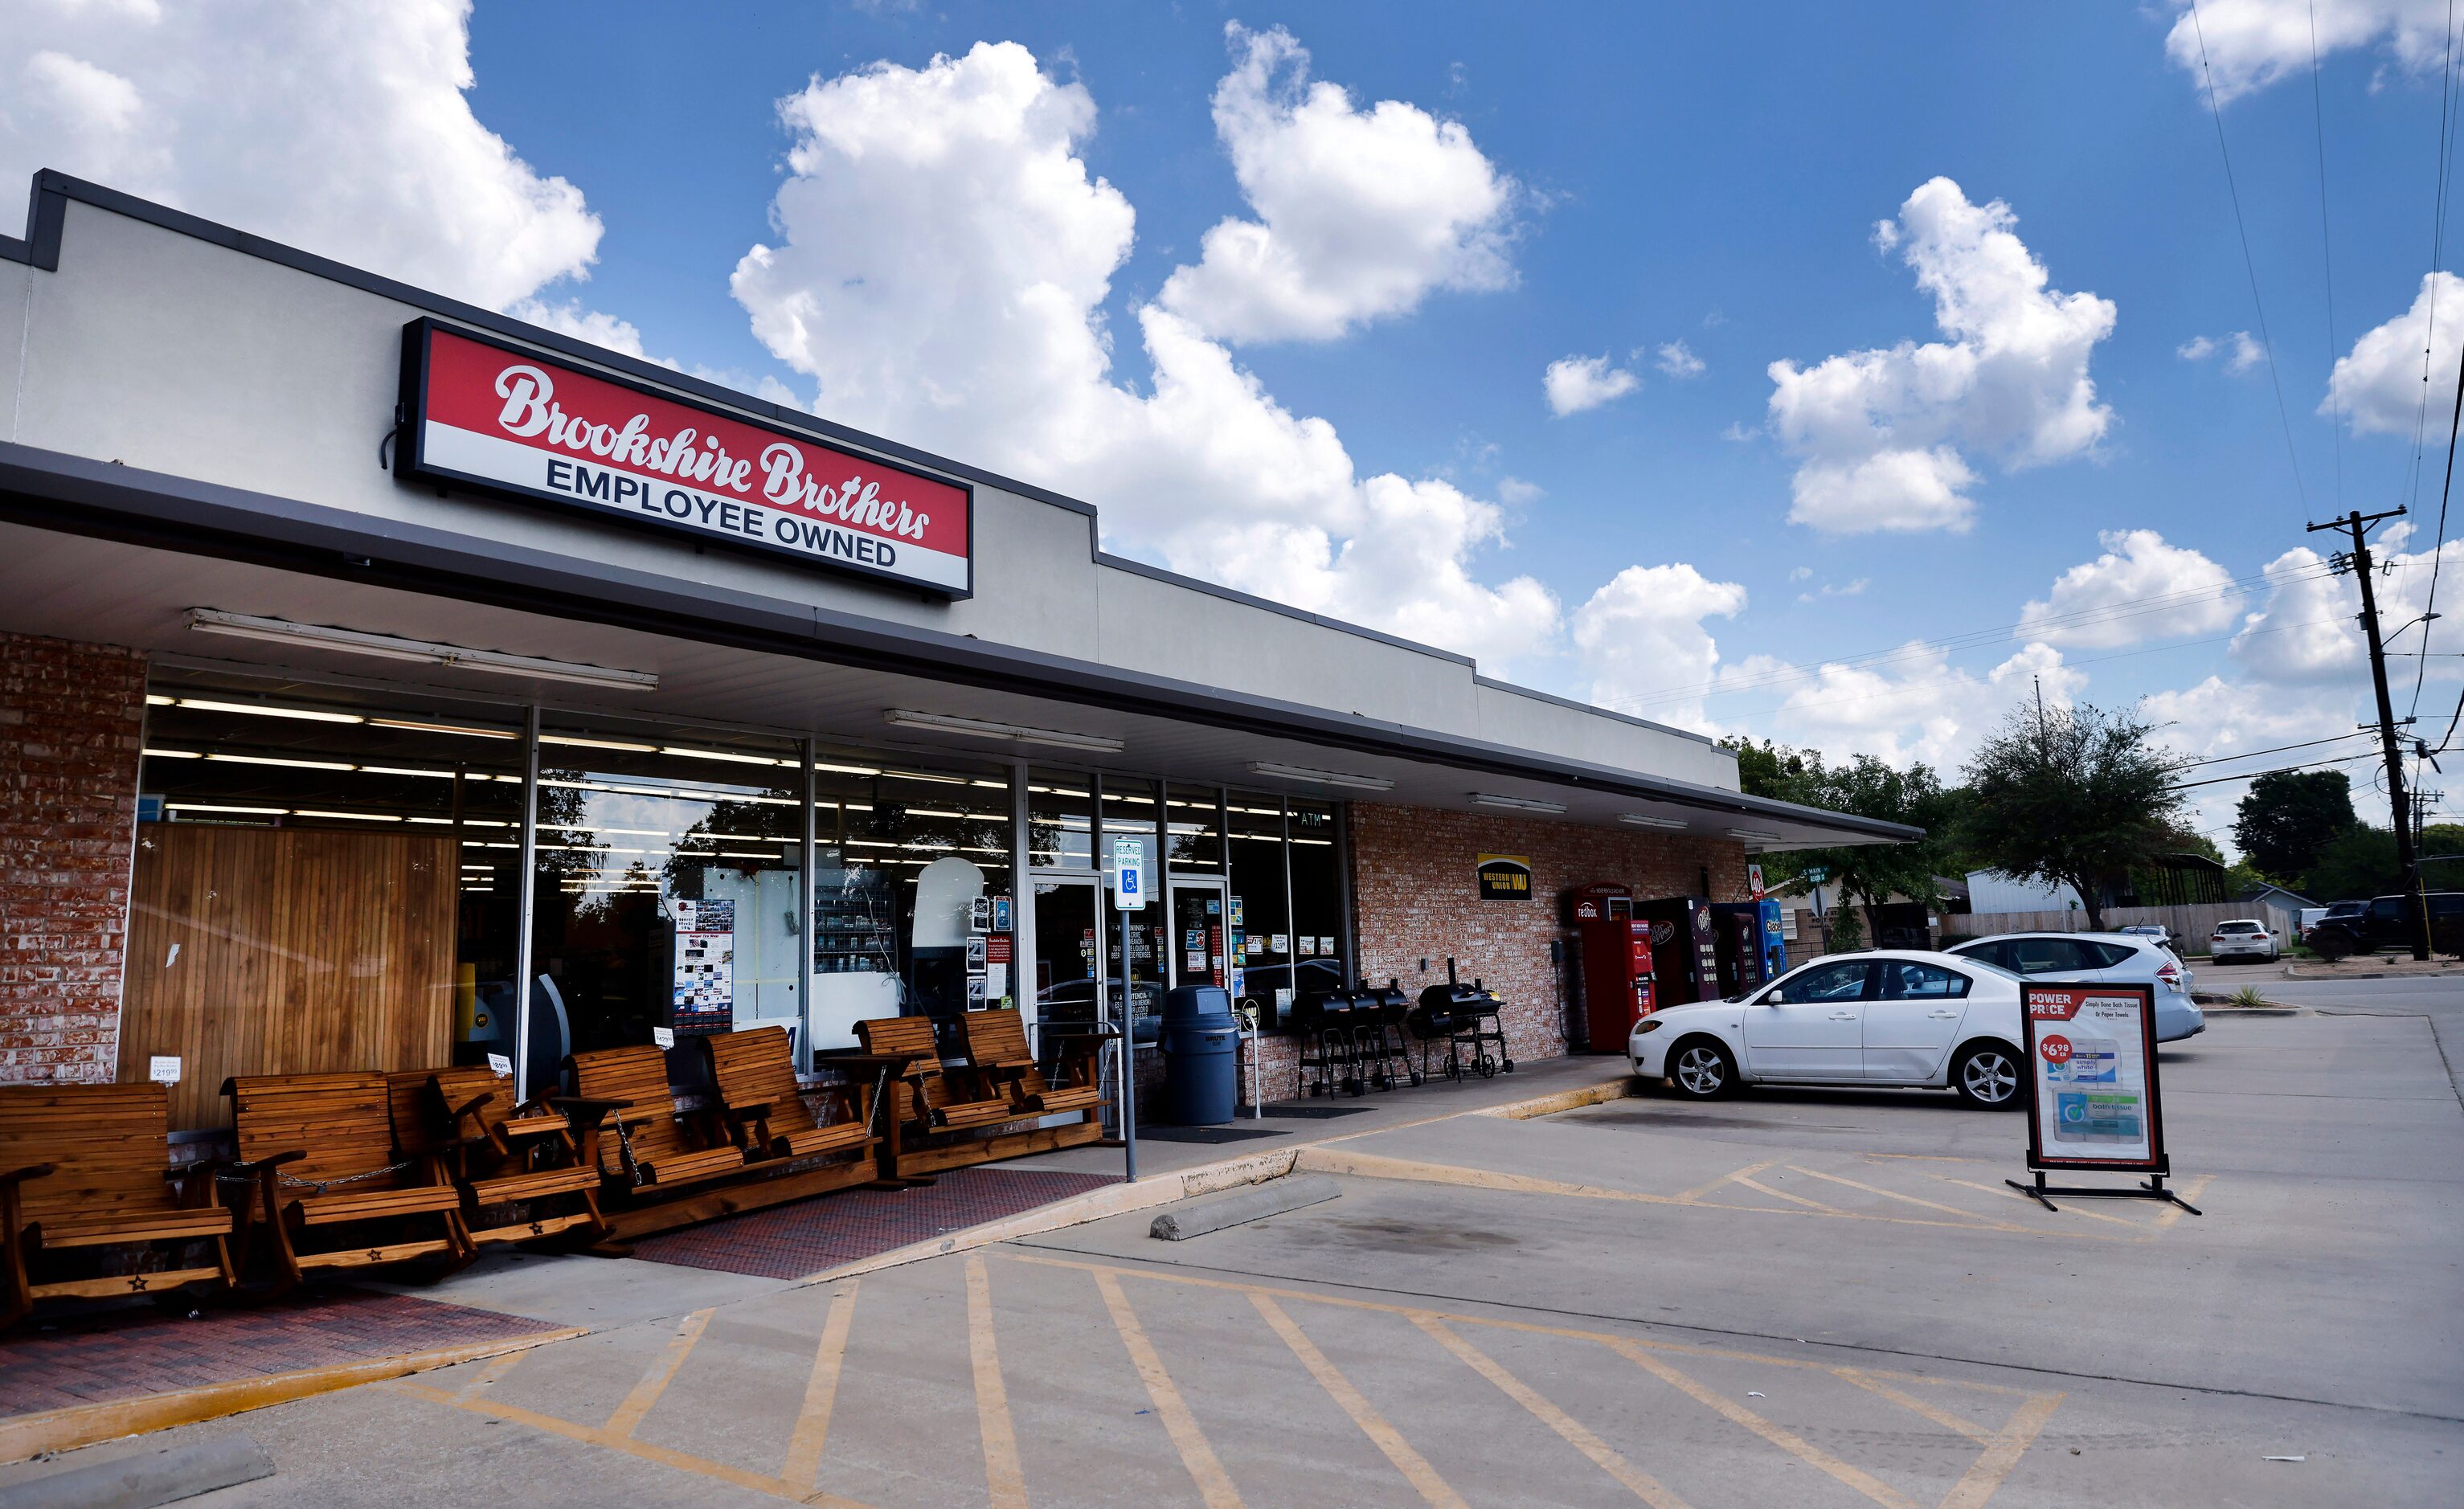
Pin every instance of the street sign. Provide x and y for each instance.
(1130, 874)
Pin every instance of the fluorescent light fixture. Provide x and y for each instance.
(1646, 820)
(389, 647)
(288, 764)
(740, 759)
(1016, 733)
(1320, 777)
(1752, 833)
(599, 744)
(356, 817)
(154, 753)
(1482, 799)
(199, 806)
(259, 709)
(444, 727)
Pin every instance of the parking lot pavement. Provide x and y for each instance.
(1792, 1296)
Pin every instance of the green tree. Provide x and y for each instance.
(1870, 874)
(2072, 796)
(2289, 818)
(1772, 770)
(2356, 865)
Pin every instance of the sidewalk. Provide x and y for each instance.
(2373, 967)
(110, 1374)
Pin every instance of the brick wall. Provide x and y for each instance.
(71, 719)
(1415, 897)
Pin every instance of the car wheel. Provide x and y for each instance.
(1702, 1069)
(1987, 1076)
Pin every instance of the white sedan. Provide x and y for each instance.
(1884, 1016)
(2242, 938)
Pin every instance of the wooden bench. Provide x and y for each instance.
(86, 1167)
(754, 1072)
(933, 1104)
(996, 1050)
(497, 1151)
(644, 1153)
(320, 1149)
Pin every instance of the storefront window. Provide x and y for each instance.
(320, 882)
(1261, 947)
(912, 892)
(1131, 810)
(667, 885)
(1317, 887)
(1194, 828)
(1060, 810)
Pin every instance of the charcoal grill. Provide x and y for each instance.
(1324, 1020)
(1384, 1056)
(1465, 1015)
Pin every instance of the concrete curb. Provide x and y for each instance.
(144, 1479)
(1214, 1213)
(1257, 1168)
(26, 1435)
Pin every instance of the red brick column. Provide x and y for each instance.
(72, 717)
(1414, 896)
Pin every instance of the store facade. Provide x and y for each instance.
(389, 683)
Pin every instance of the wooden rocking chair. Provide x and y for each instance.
(754, 1074)
(86, 1167)
(320, 1149)
(497, 1151)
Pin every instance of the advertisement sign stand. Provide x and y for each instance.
(2092, 1094)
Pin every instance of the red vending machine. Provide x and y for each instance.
(1617, 982)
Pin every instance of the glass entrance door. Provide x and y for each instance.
(1070, 954)
(1198, 950)
(1148, 927)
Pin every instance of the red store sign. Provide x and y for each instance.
(500, 418)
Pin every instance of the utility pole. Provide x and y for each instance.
(2356, 524)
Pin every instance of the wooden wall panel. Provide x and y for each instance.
(280, 950)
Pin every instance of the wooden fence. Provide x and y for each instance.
(2189, 924)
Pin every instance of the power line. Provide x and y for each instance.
(2082, 617)
(2438, 540)
(2283, 415)
(2326, 248)
(2315, 764)
(2218, 759)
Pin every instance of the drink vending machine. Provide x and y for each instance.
(1618, 973)
(1685, 946)
(1751, 950)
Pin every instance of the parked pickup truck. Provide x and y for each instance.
(2380, 924)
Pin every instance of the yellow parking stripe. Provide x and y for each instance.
(1003, 1482)
(487, 1374)
(1414, 1467)
(1760, 1188)
(1977, 1484)
(654, 1383)
(820, 1392)
(1914, 1405)
(1804, 1451)
(1697, 1192)
(1214, 1484)
(1645, 1487)
(681, 1461)
(1870, 1189)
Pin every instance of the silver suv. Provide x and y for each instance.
(2100, 957)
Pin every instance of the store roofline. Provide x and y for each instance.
(46, 224)
(77, 495)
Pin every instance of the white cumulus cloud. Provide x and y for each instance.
(2379, 385)
(987, 338)
(345, 130)
(2251, 44)
(1575, 383)
(1641, 637)
(1360, 213)
(1881, 435)
(2140, 589)
(1677, 359)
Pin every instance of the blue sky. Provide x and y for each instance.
(1578, 184)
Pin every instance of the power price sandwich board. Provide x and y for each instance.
(2093, 1101)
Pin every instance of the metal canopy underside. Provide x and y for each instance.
(108, 555)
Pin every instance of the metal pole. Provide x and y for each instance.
(803, 934)
(1129, 1053)
(523, 1089)
(2355, 523)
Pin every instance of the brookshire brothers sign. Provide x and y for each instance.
(508, 420)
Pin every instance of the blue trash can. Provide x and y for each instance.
(1201, 1045)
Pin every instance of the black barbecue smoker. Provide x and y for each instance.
(1465, 1015)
